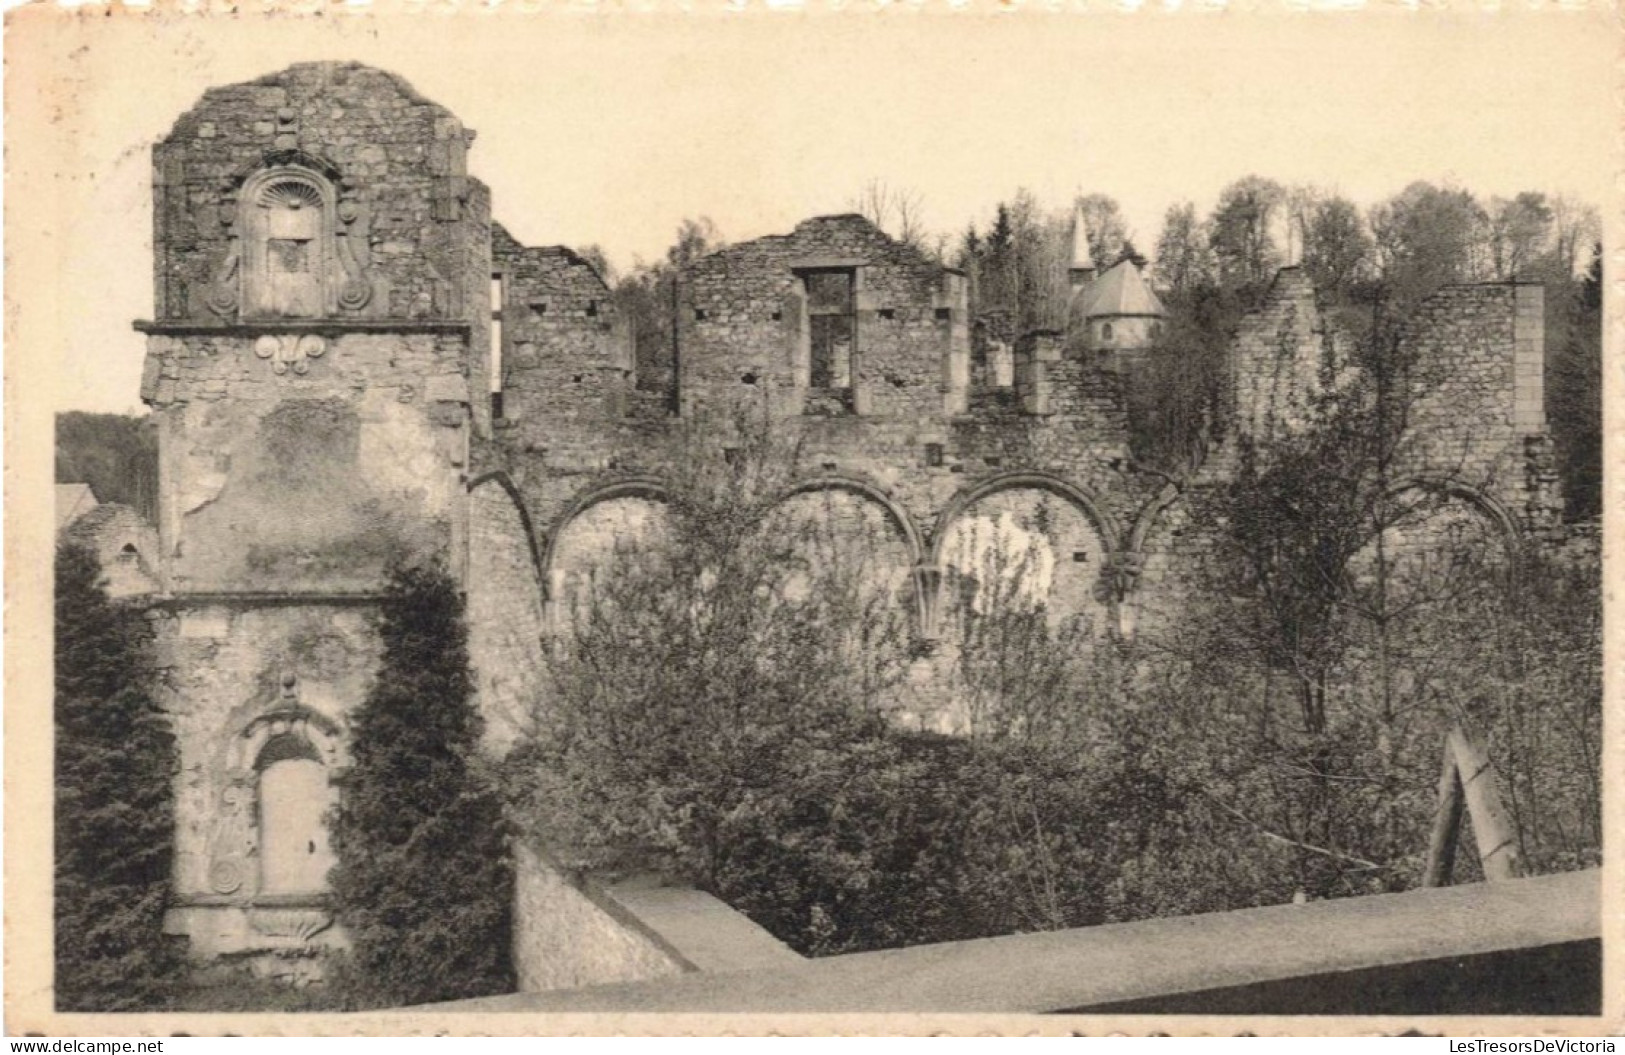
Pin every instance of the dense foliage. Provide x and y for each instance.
(730, 704)
(115, 815)
(423, 884)
(116, 454)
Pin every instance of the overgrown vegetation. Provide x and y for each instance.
(732, 703)
(116, 454)
(115, 812)
(423, 884)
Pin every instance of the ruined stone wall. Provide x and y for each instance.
(504, 613)
(743, 336)
(566, 353)
(298, 482)
(1477, 402)
(125, 544)
(1285, 354)
(919, 450)
(397, 167)
(323, 270)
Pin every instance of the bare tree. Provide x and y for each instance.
(898, 211)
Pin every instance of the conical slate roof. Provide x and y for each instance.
(1120, 291)
(1081, 259)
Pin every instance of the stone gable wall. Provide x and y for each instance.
(740, 316)
(401, 178)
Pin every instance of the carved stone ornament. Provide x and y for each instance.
(226, 876)
(288, 352)
(234, 838)
(301, 924)
(296, 243)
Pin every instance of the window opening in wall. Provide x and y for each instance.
(497, 301)
(933, 454)
(1156, 329)
(888, 313)
(128, 553)
(944, 314)
(1106, 331)
(832, 326)
(1080, 556)
(592, 309)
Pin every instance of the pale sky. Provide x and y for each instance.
(610, 128)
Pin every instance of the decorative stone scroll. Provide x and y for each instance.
(296, 243)
(290, 352)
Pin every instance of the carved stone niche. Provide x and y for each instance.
(295, 923)
(296, 244)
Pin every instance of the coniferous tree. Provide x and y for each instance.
(115, 817)
(424, 882)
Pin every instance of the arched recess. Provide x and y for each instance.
(851, 529)
(587, 533)
(1129, 581)
(293, 798)
(1441, 540)
(1486, 505)
(283, 772)
(296, 245)
(862, 489)
(1105, 526)
(1025, 538)
(502, 480)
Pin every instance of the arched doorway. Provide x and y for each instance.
(294, 797)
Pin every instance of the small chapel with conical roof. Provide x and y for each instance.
(1115, 311)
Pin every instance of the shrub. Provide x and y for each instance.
(423, 883)
(115, 814)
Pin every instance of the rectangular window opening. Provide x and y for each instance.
(831, 326)
(498, 293)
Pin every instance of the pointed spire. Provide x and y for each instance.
(1082, 269)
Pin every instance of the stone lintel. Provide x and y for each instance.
(266, 599)
(331, 327)
(826, 263)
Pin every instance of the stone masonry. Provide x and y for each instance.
(351, 363)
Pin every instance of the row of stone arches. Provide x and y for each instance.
(1114, 556)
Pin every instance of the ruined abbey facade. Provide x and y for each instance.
(350, 360)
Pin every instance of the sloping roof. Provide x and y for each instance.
(1120, 291)
(86, 526)
(73, 500)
